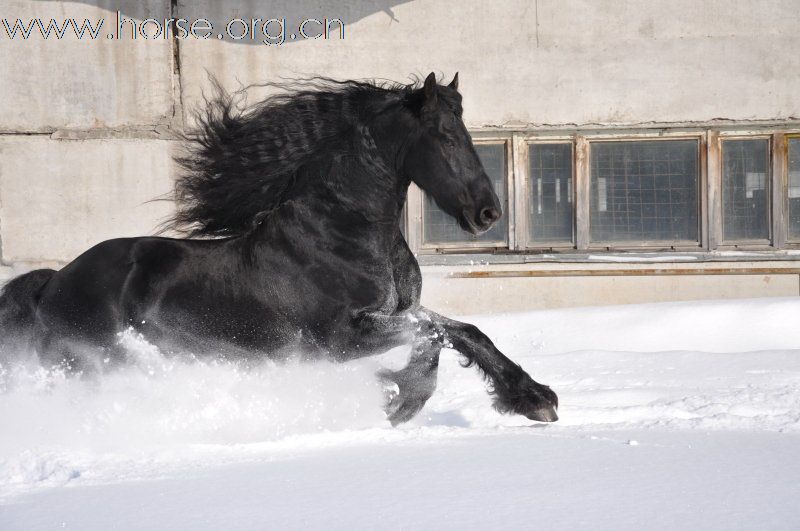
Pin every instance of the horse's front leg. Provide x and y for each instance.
(513, 389)
(416, 381)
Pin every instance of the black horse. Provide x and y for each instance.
(299, 200)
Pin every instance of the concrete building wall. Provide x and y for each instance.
(59, 197)
(87, 126)
(72, 83)
(527, 63)
(496, 288)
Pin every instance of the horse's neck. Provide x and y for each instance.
(338, 208)
(350, 188)
(351, 198)
(309, 230)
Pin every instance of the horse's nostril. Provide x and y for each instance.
(489, 215)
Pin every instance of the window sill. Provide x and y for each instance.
(600, 257)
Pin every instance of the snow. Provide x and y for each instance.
(677, 415)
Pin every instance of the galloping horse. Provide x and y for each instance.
(297, 201)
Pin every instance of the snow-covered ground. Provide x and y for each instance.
(680, 415)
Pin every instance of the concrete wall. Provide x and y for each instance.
(86, 127)
(530, 63)
(47, 85)
(559, 289)
(59, 197)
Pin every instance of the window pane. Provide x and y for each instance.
(794, 188)
(550, 191)
(745, 189)
(644, 191)
(441, 228)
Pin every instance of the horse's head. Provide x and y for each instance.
(443, 162)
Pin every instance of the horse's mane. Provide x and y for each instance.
(241, 160)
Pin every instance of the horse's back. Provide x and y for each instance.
(180, 294)
(87, 299)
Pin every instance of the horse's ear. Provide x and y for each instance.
(430, 89)
(454, 84)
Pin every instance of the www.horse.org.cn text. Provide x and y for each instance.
(268, 31)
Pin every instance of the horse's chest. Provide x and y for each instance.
(370, 287)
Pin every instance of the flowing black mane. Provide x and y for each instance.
(242, 160)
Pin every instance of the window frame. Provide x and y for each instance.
(774, 188)
(416, 201)
(655, 245)
(710, 159)
(523, 237)
(781, 168)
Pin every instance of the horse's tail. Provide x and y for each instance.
(18, 301)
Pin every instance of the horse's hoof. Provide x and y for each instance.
(405, 396)
(401, 407)
(532, 400)
(546, 414)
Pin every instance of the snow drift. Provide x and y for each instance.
(721, 374)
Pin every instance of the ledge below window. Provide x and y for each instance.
(607, 258)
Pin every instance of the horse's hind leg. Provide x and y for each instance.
(75, 357)
(83, 354)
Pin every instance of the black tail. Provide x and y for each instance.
(18, 301)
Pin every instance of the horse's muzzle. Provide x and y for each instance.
(480, 223)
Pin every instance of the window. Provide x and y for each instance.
(580, 193)
(745, 189)
(550, 211)
(644, 191)
(440, 228)
(794, 189)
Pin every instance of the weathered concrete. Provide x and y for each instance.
(463, 296)
(72, 83)
(59, 197)
(555, 62)
(6, 273)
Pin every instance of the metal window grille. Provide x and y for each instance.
(794, 188)
(550, 207)
(643, 191)
(745, 189)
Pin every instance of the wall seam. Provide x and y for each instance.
(172, 130)
(177, 81)
(791, 121)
